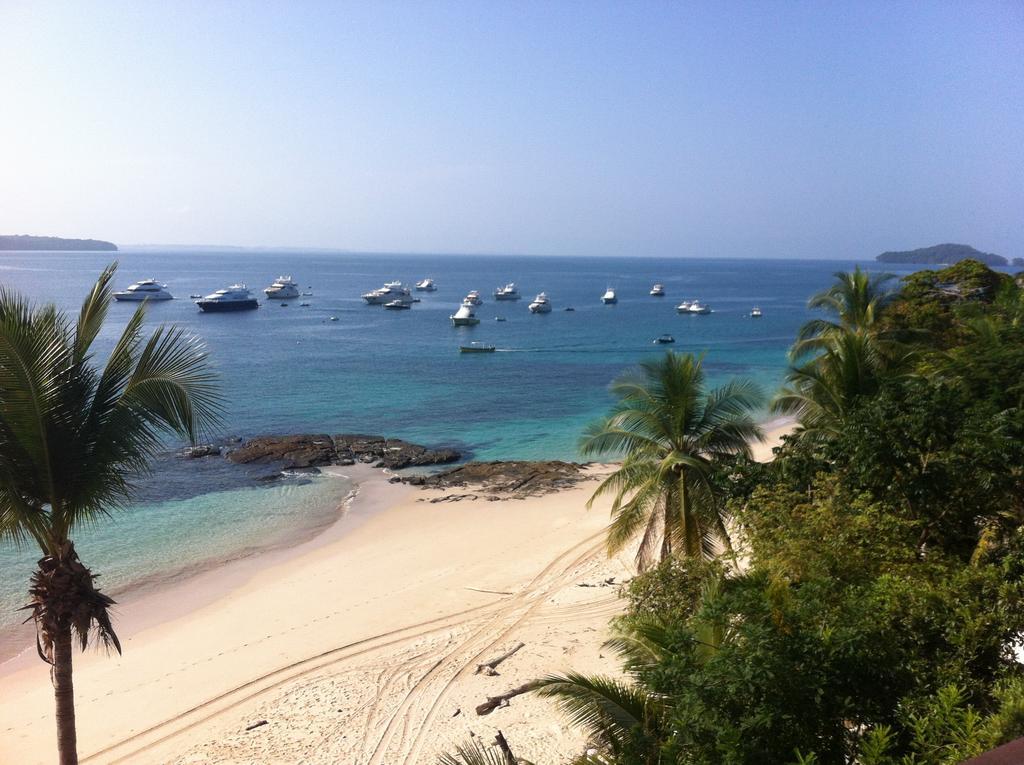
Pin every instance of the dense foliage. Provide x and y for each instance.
(877, 615)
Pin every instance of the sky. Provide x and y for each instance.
(731, 129)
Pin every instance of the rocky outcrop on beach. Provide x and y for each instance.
(319, 449)
(515, 478)
(297, 451)
(391, 453)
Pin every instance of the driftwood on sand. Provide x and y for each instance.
(493, 702)
(493, 663)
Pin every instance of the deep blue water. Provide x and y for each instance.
(399, 373)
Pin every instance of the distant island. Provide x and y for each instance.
(942, 254)
(24, 242)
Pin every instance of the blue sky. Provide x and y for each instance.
(775, 129)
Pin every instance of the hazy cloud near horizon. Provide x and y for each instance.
(778, 129)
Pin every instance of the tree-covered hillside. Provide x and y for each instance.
(942, 254)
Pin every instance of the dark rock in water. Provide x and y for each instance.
(290, 451)
(201, 450)
(315, 450)
(392, 453)
(517, 478)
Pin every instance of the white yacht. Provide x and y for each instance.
(389, 292)
(508, 292)
(684, 307)
(147, 289)
(540, 304)
(234, 298)
(402, 300)
(284, 288)
(697, 307)
(427, 285)
(465, 316)
(755, 313)
(658, 290)
(609, 298)
(474, 298)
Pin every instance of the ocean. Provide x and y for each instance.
(341, 366)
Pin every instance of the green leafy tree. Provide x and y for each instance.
(671, 433)
(73, 434)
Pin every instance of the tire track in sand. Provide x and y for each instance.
(420, 705)
(509, 611)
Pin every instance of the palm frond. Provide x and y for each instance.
(607, 708)
(94, 312)
(641, 641)
(476, 753)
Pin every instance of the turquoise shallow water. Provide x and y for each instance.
(287, 370)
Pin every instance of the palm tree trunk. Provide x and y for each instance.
(64, 696)
(691, 531)
(670, 521)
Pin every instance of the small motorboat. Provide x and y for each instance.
(427, 285)
(284, 305)
(664, 340)
(307, 294)
(194, 297)
(570, 308)
(755, 313)
(473, 298)
(476, 347)
(609, 297)
(398, 305)
(334, 318)
(658, 290)
(303, 305)
(500, 318)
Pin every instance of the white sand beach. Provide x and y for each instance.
(358, 647)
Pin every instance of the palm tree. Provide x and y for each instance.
(835, 361)
(821, 391)
(671, 433)
(856, 302)
(72, 436)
